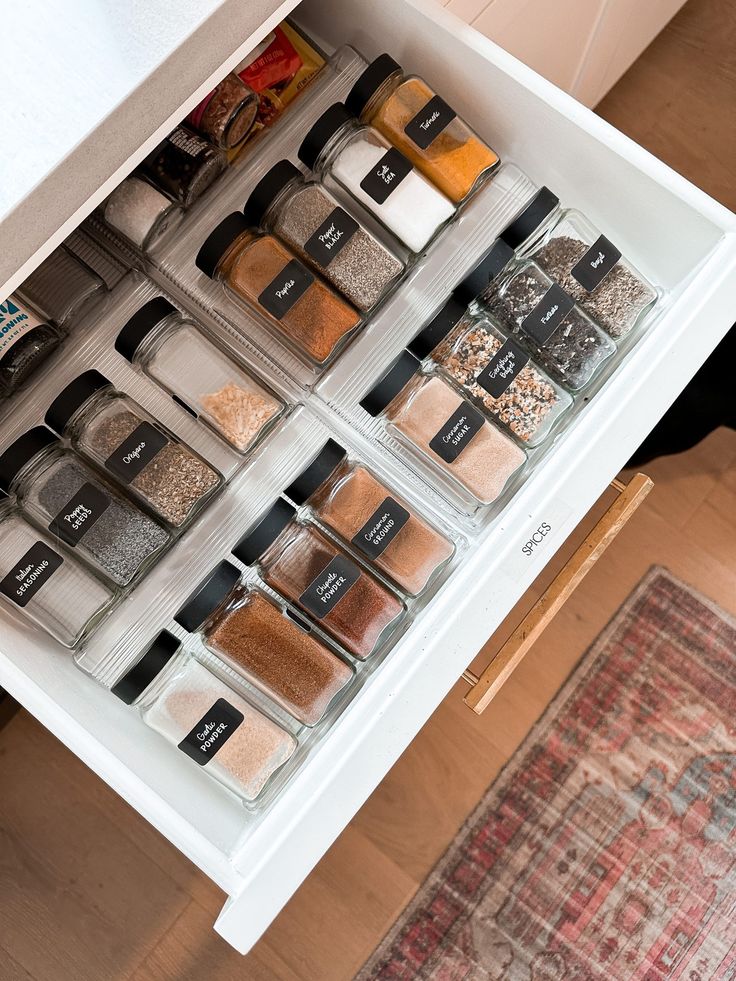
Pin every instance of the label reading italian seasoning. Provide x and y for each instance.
(386, 176)
(135, 452)
(503, 367)
(331, 237)
(429, 122)
(464, 423)
(285, 289)
(211, 732)
(15, 322)
(548, 314)
(78, 515)
(327, 589)
(596, 264)
(381, 528)
(32, 571)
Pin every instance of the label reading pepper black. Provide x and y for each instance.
(331, 237)
(78, 515)
(285, 289)
(135, 452)
(429, 122)
(548, 314)
(211, 732)
(503, 367)
(381, 528)
(327, 589)
(31, 572)
(382, 179)
(464, 423)
(596, 264)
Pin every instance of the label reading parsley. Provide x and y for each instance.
(464, 423)
(429, 122)
(596, 264)
(135, 452)
(386, 176)
(503, 367)
(548, 314)
(381, 528)
(34, 570)
(211, 732)
(285, 289)
(326, 590)
(332, 235)
(78, 515)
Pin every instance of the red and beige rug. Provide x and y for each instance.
(607, 847)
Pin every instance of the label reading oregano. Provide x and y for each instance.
(135, 452)
(429, 122)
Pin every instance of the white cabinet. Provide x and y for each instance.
(677, 235)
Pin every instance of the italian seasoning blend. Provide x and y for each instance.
(117, 434)
(26, 341)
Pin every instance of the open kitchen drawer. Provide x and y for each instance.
(678, 236)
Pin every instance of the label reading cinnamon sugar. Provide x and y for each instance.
(429, 122)
(464, 423)
(211, 732)
(381, 528)
(327, 589)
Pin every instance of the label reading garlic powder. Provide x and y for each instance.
(15, 322)
(327, 589)
(211, 732)
(285, 289)
(548, 314)
(381, 528)
(79, 514)
(32, 571)
(429, 122)
(464, 423)
(135, 452)
(595, 265)
(503, 367)
(331, 237)
(386, 175)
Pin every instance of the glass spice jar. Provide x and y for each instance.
(362, 161)
(118, 435)
(258, 638)
(298, 561)
(60, 493)
(64, 287)
(428, 415)
(306, 216)
(26, 341)
(175, 352)
(45, 583)
(205, 718)
(347, 497)
(184, 166)
(139, 212)
(227, 114)
(310, 316)
(421, 124)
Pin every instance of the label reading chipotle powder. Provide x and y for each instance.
(135, 452)
(326, 590)
(381, 528)
(503, 367)
(332, 235)
(429, 122)
(26, 578)
(78, 515)
(211, 732)
(285, 289)
(386, 175)
(548, 314)
(595, 265)
(457, 432)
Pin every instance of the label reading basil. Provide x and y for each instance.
(429, 122)
(548, 314)
(325, 591)
(211, 732)
(464, 423)
(135, 452)
(381, 528)
(503, 367)
(595, 265)
(285, 289)
(78, 515)
(26, 578)
(386, 176)
(332, 235)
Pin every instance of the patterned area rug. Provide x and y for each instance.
(607, 847)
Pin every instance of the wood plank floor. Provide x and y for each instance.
(89, 891)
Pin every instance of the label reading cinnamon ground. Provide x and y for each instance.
(596, 264)
(35, 569)
(211, 732)
(429, 122)
(386, 175)
(503, 367)
(285, 289)
(78, 515)
(331, 237)
(464, 423)
(548, 314)
(135, 452)
(381, 528)
(327, 589)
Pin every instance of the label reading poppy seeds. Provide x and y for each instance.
(135, 452)
(429, 122)
(78, 515)
(285, 289)
(381, 528)
(464, 423)
(595, 265)
(26, 578)
(332, 235)
(211, 732)
(327, 589)
(386, 175)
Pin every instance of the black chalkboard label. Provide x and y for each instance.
(503, 367)
(386, 175)
(25, 579)
(331, 237)
(464, 423)
(381, 528)
(285, 289)
(596, 264)
(136, 452)
(327, 589)
(548, 314)
(429, 122)
(211, 732)
(78, 515)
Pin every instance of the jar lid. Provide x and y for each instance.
(373, 77)
(141, 324)
(484, 272)
(207, 596)
(331, 120)
(383, 393)
(20, 451)
(72, 397)
(328, 458)
(219, 241)
(267, 190)
(530, 217)
(145, 670)
(265, 532)
(443, 322)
